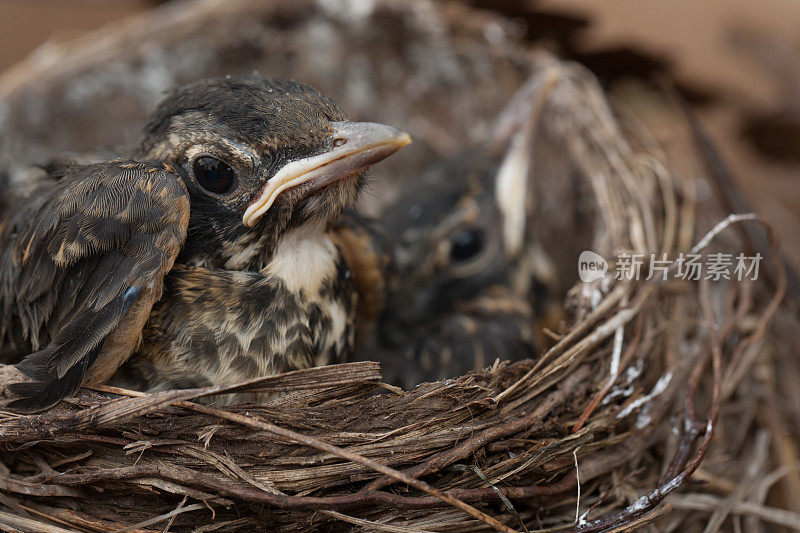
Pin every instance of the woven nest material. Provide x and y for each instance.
(647, 384)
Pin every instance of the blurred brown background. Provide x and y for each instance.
(736, 61)
(27, 24)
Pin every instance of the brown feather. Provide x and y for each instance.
(74, 255)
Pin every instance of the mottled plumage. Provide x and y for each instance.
(82, 263)
(227, 215)
(219, 326)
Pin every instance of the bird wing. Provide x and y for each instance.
(367, 252)
(81, 265)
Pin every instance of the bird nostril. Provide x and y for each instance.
(339, 142)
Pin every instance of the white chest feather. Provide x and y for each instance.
(304, 259)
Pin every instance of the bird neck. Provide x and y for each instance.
(304, 259)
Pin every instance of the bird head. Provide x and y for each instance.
(475, 219)
(447, 235)
(260, 156)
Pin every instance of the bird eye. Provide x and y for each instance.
(466, 244)
(214, 175)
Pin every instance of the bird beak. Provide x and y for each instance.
(355, 147)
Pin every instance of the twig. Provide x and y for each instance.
(373, 526)
(642, 521)
(755, 464)
(719, 227)
(623, 363)
(709, 502)
(578, 480)
(29, 524)
(166, 516)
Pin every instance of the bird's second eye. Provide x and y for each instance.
(466, 244)
(214, 175)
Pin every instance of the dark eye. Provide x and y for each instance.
(466, 244)
(214, 175)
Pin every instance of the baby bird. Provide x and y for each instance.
(206, 258)
(467, 278)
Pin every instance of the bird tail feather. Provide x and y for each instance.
(59, 368)
(39, 395)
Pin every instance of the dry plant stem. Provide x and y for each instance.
(29, 524)
(374, 526)
(624, 360)
(648, 518)
(785, 452)
(601, 310)
(335, 450)
(49, 517)
(73, 519)
(603, 331)
(756, 464)
(569, 388)
(648, 502)
(759, 495)
(736, 370)
(651, 500)
(720, 227)
(684, 448)
(166, 516)
(709, 503)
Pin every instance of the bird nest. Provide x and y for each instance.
(592, 434)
